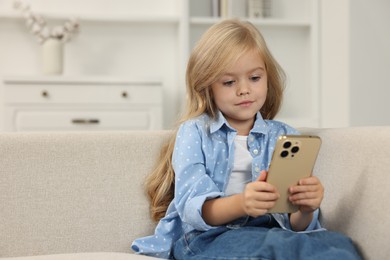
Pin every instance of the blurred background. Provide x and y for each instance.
(120, 64)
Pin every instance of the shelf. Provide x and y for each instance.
(264, 22)
(100, 17)
(80, 80)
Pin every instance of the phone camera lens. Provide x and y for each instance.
(287, 144)
(284, 154)
(295, 149)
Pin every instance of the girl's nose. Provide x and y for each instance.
(243, 89)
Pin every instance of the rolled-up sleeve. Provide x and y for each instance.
(284, 222)
(193, 186)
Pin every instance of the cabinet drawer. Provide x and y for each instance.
(60, 94)
(82, 120)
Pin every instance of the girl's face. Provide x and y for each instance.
(241, 92)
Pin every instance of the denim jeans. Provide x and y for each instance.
(262, 238)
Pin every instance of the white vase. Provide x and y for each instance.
(52, 56)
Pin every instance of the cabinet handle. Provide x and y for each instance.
(45, 94)
(124, 94)
(85, 121)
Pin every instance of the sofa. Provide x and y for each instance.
(80, 195)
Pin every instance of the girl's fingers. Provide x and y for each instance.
(260, 186)
(310, 184)
(305, 188)
(262, 176)
(304, 196)
(309, 181)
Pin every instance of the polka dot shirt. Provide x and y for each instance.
(203, 160)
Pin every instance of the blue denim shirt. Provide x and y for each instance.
(202, 161)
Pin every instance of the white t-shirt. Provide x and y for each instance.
(242, 167)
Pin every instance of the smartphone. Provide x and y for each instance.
(294, 158)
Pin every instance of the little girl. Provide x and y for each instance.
(208, 190)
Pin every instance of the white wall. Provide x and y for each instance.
(334, 68)
(370, 62)
(355, 63)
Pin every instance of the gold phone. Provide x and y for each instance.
(294, 158)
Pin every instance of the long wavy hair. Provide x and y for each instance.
(219, 47)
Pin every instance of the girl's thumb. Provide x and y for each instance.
(262, 176)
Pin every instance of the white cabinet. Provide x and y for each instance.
(117, 39)
(79, 104)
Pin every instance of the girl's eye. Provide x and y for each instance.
(228, 83)
(255, 78)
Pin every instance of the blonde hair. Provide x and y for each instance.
(220, 47)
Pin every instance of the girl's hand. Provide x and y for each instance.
(308, 194)
(259, 196)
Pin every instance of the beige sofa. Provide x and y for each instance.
(80, 195)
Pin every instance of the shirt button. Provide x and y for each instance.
(255, 151)
(257, 169)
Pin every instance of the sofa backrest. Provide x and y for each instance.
(354, 167)
(83, 192)
(74, 192)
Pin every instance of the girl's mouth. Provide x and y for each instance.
(245, 103)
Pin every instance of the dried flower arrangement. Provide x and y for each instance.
(38, 25)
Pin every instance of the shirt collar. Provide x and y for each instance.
(219, 122)
(260, 126)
